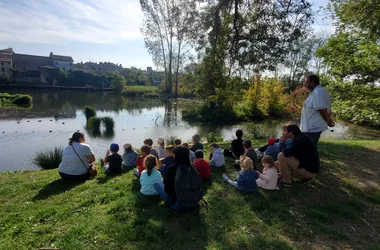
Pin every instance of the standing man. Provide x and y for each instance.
(316, 110)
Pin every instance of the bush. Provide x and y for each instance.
(109, 123)
(16, 99)
(355, 103)
(49, 159)
(93, 124)
(212, 137)
(89, 112)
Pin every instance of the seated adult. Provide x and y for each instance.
(299, 158)
(77, 159)
(178, 192)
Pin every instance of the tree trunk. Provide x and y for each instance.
(177, 71)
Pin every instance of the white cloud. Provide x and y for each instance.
(62, 21)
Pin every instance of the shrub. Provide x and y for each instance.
(212, 137)
(49, 159)
(93, 124)
(16, 99)
(109, 123)
(89, 112)
(23, 100)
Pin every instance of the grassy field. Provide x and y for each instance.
(340, 210)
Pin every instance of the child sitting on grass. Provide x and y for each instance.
(196, 144)
(268, 179)
(144, 151)
(246, 178)
(217, 159)
(167, 161)
(112, 161)
(150, 176)
(177, 142)
(160, 148)
(201, 165)
(149, 142)
(237, 148)
(129, 156)
(249, 152)
(191, 153)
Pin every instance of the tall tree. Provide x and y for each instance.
(166, 25)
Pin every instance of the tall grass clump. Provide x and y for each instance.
(7, 99)
(89, 112)
(49, 159)
(94, 123)
(109, 123)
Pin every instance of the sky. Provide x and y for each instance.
(87, 30)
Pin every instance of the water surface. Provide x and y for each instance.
(54, 117)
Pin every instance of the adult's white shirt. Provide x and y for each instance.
(311, 119)
(71, 164)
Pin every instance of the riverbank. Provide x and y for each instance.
(341, 209)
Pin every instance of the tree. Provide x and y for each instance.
(351, 56)
(166, 25)
(118, 83)
(354, 50)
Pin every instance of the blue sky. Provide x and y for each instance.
(97, 30)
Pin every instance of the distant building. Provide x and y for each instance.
(62, 62)
(30, 65)
(6, 62)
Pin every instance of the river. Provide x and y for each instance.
(54, 117)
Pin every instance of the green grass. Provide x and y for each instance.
(49, 159)
(144, 91)
(340, 210)
(89, 112)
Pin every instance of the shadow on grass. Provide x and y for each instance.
(56, 187)
(104, 177)
(333, 211)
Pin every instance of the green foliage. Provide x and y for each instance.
(359, 16)
(89, 112)
(118, 83)
(212, 137)
(350, 55)
(356, 103)
(49, 159)
(93, 124)
(108, 122)
(135, 76)
(7, 100)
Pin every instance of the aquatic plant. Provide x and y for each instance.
(49, 159)
(89, 112)
(108, 123)
(94, 123)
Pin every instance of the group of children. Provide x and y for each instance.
(152, 163)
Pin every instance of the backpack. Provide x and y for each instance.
(188, 187)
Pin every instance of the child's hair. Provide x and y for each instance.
(246, 163)
(161, 141)
(145, 149)
(199, 154)
(186, 145)
(114, 148)
(196, 138)
(239, 133)
(267, 159)
(177, 142)
(150, 162)
(148, 142)
(247, 144)
(170, 148)
(128, 150)
(214, 145)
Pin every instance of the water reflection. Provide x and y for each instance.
(55, 116)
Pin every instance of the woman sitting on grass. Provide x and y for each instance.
(246, 178)
(77, 160)
(150, 176)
